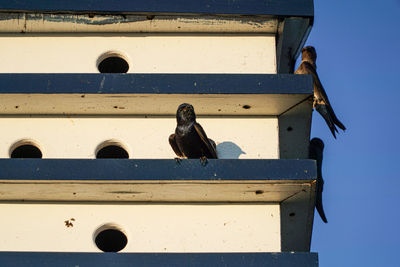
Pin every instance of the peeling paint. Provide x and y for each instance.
(81, 19)
(44, 22)
(102, 83)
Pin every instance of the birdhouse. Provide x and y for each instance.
(89, 96)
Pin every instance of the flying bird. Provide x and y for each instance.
(315, 152)
(190, 140)
(321, 102)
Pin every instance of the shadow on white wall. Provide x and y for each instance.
(229, 150)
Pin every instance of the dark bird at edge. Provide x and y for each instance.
(190, 140)
(321, 102)
(316, 152)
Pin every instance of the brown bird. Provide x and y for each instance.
(316, 152)
(321, 102)
(189, 139)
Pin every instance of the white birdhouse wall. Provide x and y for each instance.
(149, 228)
(147, 138)
(144, 53)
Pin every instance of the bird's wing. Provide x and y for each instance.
(320, 94)
(205, 140)
(326, 114)
(212, 143)
(307, 68)
(174, 146)
(334, 118)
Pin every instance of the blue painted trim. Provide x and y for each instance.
(155, 84)
(156, 169)
(283, 259)
(240, 7)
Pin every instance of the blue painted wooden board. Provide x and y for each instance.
(155, 84)
(289, 259)
(242, 7)
(159, 169)
(149, 180)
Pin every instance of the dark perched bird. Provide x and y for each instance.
(189, 139)
(315, 152)
(321, 102)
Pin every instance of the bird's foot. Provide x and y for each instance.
(203, 161)
(178, 160)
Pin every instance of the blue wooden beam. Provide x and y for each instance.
(156, 169)
(290, 259)
(155, 84)
(238, 7)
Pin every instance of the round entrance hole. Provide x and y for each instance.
(111, 150)
(25, 149)
(110, 238)
(112, 62)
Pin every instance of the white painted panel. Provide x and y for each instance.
(146, 54)
(149, 228)
(143, 137)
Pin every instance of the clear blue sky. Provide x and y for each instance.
(358, 46)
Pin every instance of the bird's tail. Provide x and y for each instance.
(338, 122)
(318, 200)
(320, 210)
(327, 115)
(334, 119)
